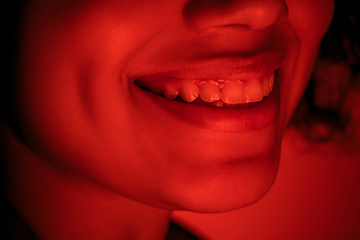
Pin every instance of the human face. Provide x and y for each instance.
(79, 108)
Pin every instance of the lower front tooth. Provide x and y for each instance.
(253, 91)
(209, 92)
(232, 93)
(189, 91)
(216, 104)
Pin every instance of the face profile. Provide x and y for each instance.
(178, 105)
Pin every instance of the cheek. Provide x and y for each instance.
(310, 16)
(309, 21)
(71, 102)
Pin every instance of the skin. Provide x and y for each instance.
(86, 126)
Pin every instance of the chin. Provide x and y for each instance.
(236, 185)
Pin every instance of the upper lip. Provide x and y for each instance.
(229, 66)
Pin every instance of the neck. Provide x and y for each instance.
(73, 207)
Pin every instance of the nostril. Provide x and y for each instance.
(201, 14)
(254, 14)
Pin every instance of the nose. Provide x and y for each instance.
(252, 14)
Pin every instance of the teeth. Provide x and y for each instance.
(219, 93)
(155, 91)
(232, 93)
(217, 104)
(271, 82)
(189, 91)
(253, 91)
(210, 92)
(266, 87)
(170, 92)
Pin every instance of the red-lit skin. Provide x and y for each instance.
(314, 197)
(96, 140)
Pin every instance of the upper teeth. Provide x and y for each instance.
(210, 92)
(253, 91)
(189, 91)
(218, 92)
(232, 92)
(170, 92)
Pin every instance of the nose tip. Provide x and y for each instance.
(253, 14)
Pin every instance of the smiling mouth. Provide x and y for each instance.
(223, 93)
(221, 81)
(231, 93)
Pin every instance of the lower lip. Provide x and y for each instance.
(249, 119)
